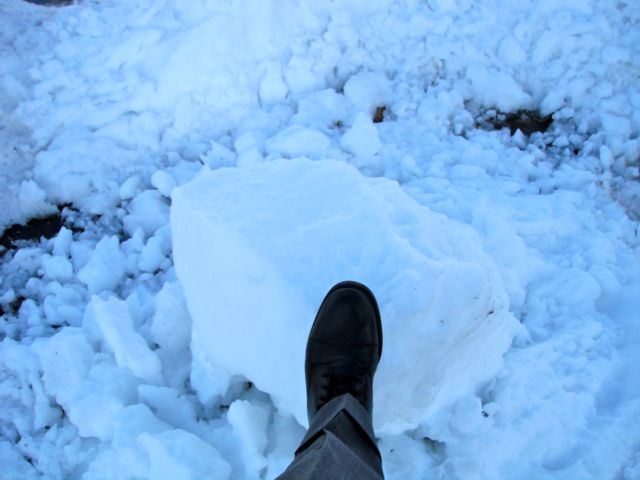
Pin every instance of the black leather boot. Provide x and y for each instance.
(344, 347)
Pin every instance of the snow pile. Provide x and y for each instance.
(257, 248)
(109, 107)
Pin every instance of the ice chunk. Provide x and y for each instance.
(105, 267)
(130, 349)
(257, 248)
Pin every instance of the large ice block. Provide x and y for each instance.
(257, 248)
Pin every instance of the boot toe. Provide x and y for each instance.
(347, 317)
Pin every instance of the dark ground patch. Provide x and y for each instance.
(378, 116)
(51, 3)
(527, 121)
(35, 229)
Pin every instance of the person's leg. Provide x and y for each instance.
(343, 351)
(338, 445)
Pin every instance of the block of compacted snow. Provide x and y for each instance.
(257, 248)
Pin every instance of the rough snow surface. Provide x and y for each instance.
(109, 109)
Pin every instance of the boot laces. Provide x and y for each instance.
(334, 384)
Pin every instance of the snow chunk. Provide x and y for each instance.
(296, 141)
(163, 182)
(367, 90)
(272, 87)
(147, 210)
(57, 268)
(66, 359)
(256, 249)
(78, 167)
(210, 383)
(105, 267)
(130, 349)
(249, 424)
(130, 187)
(62, 242)
(14, 463)
(153, 255)
(362, 138)
(169, 406)
(32, 200)
(510, 51)
(492, 87)
(171, 327)
(99, 400)
(92, 395)
(321, 110)
(248, 148)
(181, 455)
(218, 156)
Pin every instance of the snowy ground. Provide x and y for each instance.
(506, 261)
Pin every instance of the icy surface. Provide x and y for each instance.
(108, 107)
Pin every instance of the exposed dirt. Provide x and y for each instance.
(51, 3)
(378, 117)
(35, 229)
(527, 121)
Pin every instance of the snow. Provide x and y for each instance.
(362, 138)
(182, 455)
(168, 136)
(297, 141)
(128, 346)
(249, 423)
(105, 267)
(366, 91)
(171, 326)
(303, 238)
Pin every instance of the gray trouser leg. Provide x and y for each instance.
(339, 444)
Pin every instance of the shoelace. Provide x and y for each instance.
(333, 385)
